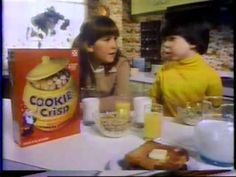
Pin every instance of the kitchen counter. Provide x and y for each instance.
(82, 151)
(148, 78)
(144, 77)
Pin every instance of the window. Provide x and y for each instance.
(41, 23)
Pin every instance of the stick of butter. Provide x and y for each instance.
(158, 154)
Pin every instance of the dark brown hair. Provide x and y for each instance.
(90, 31)
(195, 33)
(190, 25)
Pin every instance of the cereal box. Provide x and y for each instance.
(44, 94)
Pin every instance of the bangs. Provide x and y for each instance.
(106, 31)
(99, 27)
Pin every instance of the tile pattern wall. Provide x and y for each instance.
(220, 53)
(131, 30)
(131, 33)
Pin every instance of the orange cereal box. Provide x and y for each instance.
(44, 94)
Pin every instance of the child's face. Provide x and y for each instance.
(105, 49)
(176, 48)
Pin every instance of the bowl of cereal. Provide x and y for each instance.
(111, 125)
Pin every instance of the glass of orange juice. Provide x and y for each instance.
(122, 107)
(153, 122)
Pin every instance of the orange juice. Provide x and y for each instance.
(152, 125)
(122, 109)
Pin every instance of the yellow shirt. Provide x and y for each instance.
(187, 80)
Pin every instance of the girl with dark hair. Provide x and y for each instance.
(185, 76)
(104, 72)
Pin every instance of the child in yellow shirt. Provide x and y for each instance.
(185, 76)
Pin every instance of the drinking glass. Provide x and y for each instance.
(218, 108)
(153, 122)
(190, 114)
(122, 107)
(142, 105)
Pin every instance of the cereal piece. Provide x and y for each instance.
(58, 82)
(44, 85)
(52, 87)
(63, 77)
(64, 81)
(59, 86)
(55, 78)
(49, 81)
(36, 84)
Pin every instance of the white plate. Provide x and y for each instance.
(128, 173)
(194, 162)
(116, 161)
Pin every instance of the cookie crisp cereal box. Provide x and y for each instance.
(44, 94)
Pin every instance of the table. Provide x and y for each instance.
(89, 150)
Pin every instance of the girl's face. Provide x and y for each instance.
(176, 48)
(104, 49)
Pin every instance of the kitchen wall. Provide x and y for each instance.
(220, 51)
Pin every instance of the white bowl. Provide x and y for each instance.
(214, 140)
